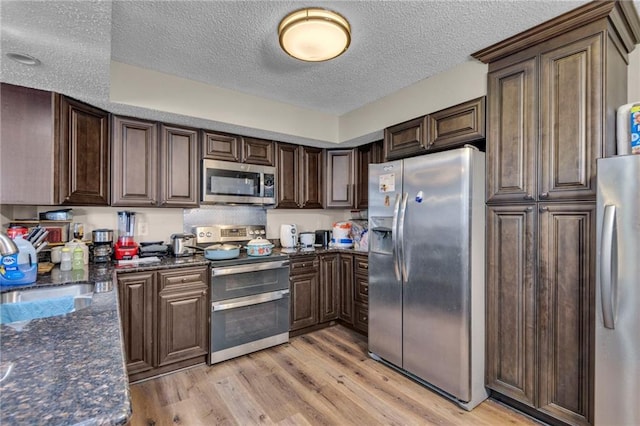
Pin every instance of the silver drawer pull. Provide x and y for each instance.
(254, 267)
(248, 300)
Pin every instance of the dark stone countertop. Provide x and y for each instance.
(296, 252)
(70, 369)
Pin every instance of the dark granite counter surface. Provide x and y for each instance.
(294, 252)
(69, 369)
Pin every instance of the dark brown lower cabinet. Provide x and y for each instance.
(165, 319)
(329, 282)
(540, 306)
(303, 280)
(346, 288)
(327, 287)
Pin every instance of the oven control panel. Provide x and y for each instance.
(228, 233)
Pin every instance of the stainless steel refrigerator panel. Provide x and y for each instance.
(385, 310)
(617, 358)
(436, 260)
(385, 287)
(385, 182)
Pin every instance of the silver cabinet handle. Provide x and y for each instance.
(263, 266)
(608, 267)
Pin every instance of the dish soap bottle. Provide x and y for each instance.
(78, 258)
(65, 259)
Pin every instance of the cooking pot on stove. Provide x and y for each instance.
(222, 251)
(259, 247)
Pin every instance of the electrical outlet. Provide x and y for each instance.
(143, 229)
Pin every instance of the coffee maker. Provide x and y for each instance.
(102, 247)
(126, 247)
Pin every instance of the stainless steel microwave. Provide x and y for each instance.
(224, 182)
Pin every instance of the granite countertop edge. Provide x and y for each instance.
(71, 369)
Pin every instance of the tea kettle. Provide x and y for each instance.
(288, 235)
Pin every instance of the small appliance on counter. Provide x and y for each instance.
(288, 235)
(102, 247)
(323, 237)
(183, 245)
(126, 248)
(153, 249)
(307, 239)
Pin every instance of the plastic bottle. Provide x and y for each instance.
(78, 258)
(21, 267)
(65, 259)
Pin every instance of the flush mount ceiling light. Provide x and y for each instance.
(314, 34)
(23, 59)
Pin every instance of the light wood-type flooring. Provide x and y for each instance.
(321, 378)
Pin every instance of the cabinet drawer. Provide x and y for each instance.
(181, 277)
(361, 320)
(303, 265)
(361, 264)
(362, 288)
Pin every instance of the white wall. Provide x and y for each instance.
(144, 88)
(634, 76)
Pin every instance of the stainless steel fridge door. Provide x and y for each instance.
(617, 358)
(385, 287)
(437, 262)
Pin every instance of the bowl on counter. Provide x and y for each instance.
(259, 247)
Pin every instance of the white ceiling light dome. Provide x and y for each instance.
(314, 34)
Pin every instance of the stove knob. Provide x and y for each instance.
(208, 234)
(201, 234)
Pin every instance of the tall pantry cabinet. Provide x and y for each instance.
(552, 95)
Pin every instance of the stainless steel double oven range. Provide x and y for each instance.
(249, 295)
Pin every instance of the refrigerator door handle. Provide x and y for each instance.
(403, 211)
(608, 267)
(394, 238)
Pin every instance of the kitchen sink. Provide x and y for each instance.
(32, 303)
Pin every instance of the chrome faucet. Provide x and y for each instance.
(7, 246)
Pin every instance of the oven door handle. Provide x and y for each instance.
(253, 267)
(248, 301)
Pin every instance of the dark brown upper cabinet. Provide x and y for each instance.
(405, 139)
(239, 149)
(457, 125)
(154, 164)
(341, 176)
(300, 176)
(366, 154)
(65, 141)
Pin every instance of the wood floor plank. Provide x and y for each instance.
(322, 378)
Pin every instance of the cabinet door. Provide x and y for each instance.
(137, 311)
(28, 146)
(457, 125)
(340, 178)
(84, 154)
(329, 278)
(134, 162)
(221, 146)
(288, 169)
(405, 139)
(178, 167)
(304, 300)
(366, 154)
(258, 151)
(511, 302)
(311, 177)
(570, 119)
(566, 296)
(512, 132)
(346, 288)
(183, 315)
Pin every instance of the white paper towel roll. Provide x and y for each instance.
(623, 130)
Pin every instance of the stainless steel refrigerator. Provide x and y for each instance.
(617, 359)
(426, 270)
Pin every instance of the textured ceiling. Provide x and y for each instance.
(234, 44)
